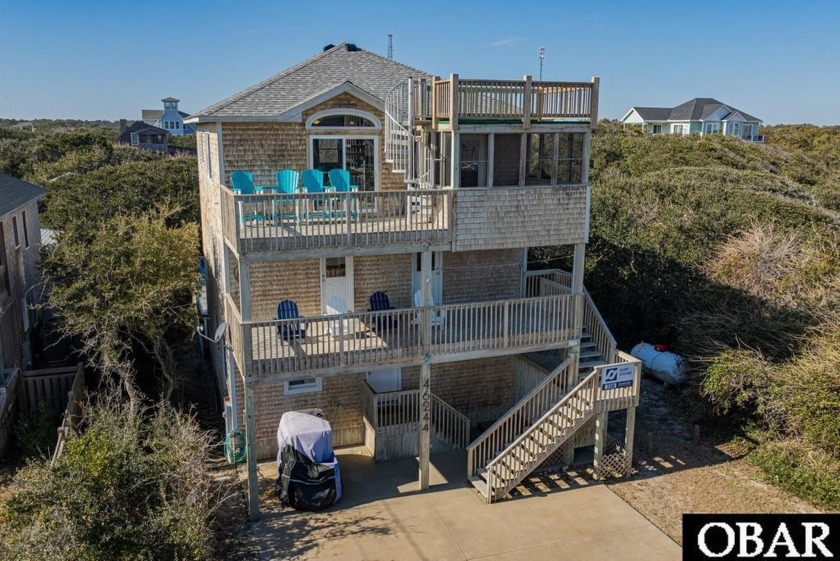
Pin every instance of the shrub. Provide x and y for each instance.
(809, 473)
(133, 486)
(36, 433)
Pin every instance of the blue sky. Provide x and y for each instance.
(775, 59)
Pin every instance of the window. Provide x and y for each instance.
(570, 157)
(711, 128)
(540, 161)
(506, 156)
(15, 228)
(341, 118)
(135, 139)
(25, 230)
(335, 267)
(657, 129)
(678, 129)
(473, 160)
(303, 385)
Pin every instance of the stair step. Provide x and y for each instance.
(480, 484)
(588, 345)
(589, 354)
(590, 363)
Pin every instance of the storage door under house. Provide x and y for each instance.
(337, 280)
(437, 276)
(384, 380)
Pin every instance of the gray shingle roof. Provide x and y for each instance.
(653, 113)
(700, 108)
(368, 71)
(696, 109)
(15, 193)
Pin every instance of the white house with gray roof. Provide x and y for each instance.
(400, 302)
(701, 115)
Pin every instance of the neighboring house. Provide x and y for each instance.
(701, 115)
(144, 136)
(19, 246)
(170, 118)
(453, 180)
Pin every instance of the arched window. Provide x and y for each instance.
(343, 118)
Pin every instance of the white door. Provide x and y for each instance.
(385, 380)
(437, 276)
(337, 280)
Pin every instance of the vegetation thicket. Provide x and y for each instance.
(135, 483)
(728, 252)
(134, 486)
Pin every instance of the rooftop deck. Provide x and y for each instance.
(358, 341)
(459, 100)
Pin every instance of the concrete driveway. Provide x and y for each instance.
(382, 516)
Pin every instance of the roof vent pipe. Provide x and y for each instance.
(328, 47)
(351, 47)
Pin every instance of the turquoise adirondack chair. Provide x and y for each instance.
(313, 184)
(340, 181)
(243, 184)
(287, 184)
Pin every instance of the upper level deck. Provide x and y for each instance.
(268, 227)
(453, 102)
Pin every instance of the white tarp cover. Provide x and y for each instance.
(308, 434)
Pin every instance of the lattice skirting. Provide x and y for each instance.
(615, 462)
(564, 455)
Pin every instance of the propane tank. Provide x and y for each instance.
(666, 366)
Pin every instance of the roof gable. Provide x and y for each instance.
(15, 193)
(371, 73)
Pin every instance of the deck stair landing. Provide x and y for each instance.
(538, 441)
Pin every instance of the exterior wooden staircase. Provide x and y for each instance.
(590, 355)
(537, 440)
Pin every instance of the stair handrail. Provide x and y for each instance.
(601, 334)
(448, 421)
(590, 380)
(397, 119)
(539, 398)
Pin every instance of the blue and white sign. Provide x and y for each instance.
(617, 376)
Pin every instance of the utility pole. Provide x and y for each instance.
(541, 53)
(390, 46)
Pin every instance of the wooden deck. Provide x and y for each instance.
(270, 222)
(358, 341)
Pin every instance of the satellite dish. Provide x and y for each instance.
(220, 332)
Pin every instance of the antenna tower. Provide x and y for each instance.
(390, 46)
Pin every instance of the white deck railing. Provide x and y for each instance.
(363, 339)
(306, 221)
(394, 418)
(554, 282)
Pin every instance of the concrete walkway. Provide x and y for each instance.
(382, 516)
